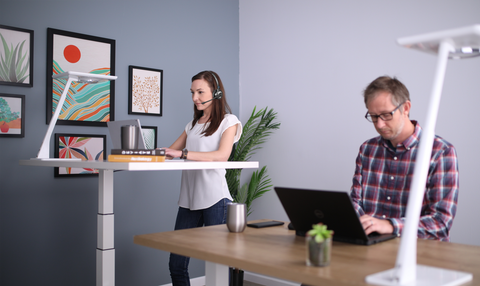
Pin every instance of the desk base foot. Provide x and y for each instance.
(216, 274)
(426, 276)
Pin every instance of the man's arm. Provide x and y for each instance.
(440, 199)
(356, 192)
(441, 195)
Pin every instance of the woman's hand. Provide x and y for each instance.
(172, 153)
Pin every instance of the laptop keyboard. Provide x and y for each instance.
(373, 234)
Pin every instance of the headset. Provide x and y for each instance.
(217, 94)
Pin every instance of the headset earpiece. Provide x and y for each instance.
(217, 93)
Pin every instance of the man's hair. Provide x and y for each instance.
(393, 86)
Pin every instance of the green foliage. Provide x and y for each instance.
(256, 131)
(320, 232)
(5, 113)
(14, 67)
(258, 185)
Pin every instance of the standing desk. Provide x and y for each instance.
(278, 252)
(105, 217)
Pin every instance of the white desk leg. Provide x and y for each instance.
(105, 247)
(216, 274)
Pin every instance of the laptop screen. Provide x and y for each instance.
(332, 208)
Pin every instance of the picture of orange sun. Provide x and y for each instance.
(72, 54)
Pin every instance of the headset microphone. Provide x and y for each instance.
(208, 101)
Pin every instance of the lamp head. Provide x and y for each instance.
(87, 80)
(85, 77)
(465, 42)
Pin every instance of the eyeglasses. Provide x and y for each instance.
(384, 116)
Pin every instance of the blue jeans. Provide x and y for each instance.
(186, 218)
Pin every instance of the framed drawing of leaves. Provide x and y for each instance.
(150, 136)
(86, 103)
(16, 56)
(82, 146)
(145, 91)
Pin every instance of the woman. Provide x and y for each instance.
(209, 136)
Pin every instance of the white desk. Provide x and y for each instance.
(105, 218)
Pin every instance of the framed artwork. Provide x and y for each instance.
(85, 147)
(90, 104)
(12, 115)
(16, 56)
(150, 136)
(145, 91)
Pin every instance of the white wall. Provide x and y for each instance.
(310, 61)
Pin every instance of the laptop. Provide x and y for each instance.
(332, 208)
(115, 130)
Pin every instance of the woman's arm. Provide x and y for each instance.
(222, 154)
(175, 150)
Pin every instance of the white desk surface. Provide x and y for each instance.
(142, 166)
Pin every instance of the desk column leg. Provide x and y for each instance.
(216, 274)
(105, 222)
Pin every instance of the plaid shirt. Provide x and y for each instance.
(382, 180)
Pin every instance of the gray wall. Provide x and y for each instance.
(310, 61)
(48, 225)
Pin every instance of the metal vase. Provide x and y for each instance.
(236, 217)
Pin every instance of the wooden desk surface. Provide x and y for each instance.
(277, 252)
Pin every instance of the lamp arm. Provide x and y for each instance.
(405, 266)
(44, 152)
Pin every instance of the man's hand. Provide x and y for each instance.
(371, 224)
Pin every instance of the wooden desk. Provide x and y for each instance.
(277, 252)
(105, 217)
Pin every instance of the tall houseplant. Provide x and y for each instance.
(256, 131)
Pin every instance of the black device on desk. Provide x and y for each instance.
(265, 224)
(334, 209)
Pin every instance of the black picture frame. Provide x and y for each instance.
(12, 115)
(142, 102)
(79, 52)
(15, 38)
(150, 135)
(68, 145)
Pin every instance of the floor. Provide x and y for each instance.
(247, 283)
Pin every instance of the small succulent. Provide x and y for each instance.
(320, 232)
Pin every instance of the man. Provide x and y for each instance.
(385, 165)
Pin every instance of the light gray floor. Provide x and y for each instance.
(247, 283)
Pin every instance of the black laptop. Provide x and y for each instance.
(334, 209)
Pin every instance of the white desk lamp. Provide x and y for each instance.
(453, 44)
(44, 153)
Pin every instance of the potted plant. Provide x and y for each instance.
(256, 131)
(319, 245)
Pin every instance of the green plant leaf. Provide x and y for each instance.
(256, 131)
(11, 73)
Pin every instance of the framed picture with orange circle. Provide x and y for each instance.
(86, 103)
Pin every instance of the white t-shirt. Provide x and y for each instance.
(202, 189)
